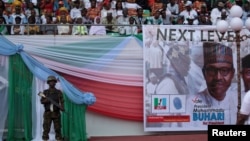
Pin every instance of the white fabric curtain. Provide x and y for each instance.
(3, 93)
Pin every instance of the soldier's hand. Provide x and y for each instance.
(45, 100)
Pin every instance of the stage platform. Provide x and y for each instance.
(166, 137)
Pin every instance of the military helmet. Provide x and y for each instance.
(51, 78)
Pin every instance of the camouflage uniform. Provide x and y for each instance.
(52, 115)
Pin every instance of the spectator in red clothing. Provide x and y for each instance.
(93, 11)
(157, 5)
(47, 5)
(150, 2)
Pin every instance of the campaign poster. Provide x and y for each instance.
(190, 77)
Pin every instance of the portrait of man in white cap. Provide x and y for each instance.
(217, 104)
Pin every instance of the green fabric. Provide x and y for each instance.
(232, 1)
(139, 36)
(19, 100)
(73, 121)
(84, 53)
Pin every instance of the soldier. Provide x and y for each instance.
(52, 112)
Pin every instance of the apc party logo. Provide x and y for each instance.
(168, 103)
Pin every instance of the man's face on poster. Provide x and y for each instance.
(218, 77)
(246, 78)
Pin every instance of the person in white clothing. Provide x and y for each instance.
(178, 56)
(96, 28)
(76, 11)
(132, 28)
(107, 9)
(78, 28)
(244, 113)
(132, 7)
(216, 13)
(152, 83)
(189, 12)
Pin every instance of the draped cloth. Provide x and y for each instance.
(3, 93)
(23, 118)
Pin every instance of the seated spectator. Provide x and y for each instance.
(64, 28)
(31, 8)
(118, 9)
(37, 17)
(189, 12)
(150, 2)
(197, 5)
(99, 4)
(44, 16)
(17, 13)
(140, 20)
(85, 19)
(3, 27)
(110, 23)
(155, 20)
(225, 16)
(49, 29)
(246, 11)
(79, 29)
(173, 7)
(86, 4)
(204, 20)
(97, 29)
(63, 12)
(112, 2)
(157, 5)
(179, 21)
(17, 2)
(93, 11)
(131, 29)
(107, 8)
(47, 5)
(61, 3)
(190, 20)
(18, 28)
(204, 11)
(165, 15)
(216, 12)
(122, 20)
(56, 8)
(76, 10)
(32, 29)
(132, 7)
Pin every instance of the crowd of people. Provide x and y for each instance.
(100, 17)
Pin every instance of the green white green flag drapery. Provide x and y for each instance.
(18, 125)
(24, 120)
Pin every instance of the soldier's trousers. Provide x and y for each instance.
(50, 117)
